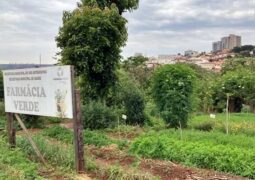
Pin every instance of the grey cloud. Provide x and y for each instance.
(28, 27)
(170, 26)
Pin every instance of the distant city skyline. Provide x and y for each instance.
(28, 28)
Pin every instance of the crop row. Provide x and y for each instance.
(242, 141)
(90, 137)
(225, 158)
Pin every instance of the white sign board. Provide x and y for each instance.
(43, 91)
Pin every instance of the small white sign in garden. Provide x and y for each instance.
(45, 91)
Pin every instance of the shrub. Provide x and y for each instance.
(205, 126)
(129, 97)
(172, 88)
(97, 115)
(32, 121)
(134, 108)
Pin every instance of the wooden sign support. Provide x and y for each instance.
(77, 128)
(11, 132)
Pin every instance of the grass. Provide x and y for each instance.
(15, 165)
(58, 154)
(239, 123)
(90, 137)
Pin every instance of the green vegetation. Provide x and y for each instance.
(172, 90)
(15, 165)
(55, 154)
(239, 123)
(203, 154)
(90, 137)
(91, 39)
(96, 115)
(126, 5)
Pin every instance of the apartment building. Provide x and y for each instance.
(228, 42)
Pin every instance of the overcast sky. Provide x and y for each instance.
(28, 27)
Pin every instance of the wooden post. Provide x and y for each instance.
(77, 128)
(11, 129)
(227, 113)
(37, 151)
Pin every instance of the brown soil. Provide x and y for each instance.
(166, 170)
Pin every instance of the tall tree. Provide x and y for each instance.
(122, 5)
(91, 39)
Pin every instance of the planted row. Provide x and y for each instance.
(90, 137)
(216, 138)
(225, 158)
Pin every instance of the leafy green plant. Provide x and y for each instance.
(32, 121)
(226, 158)
(53, 152)
(172, 88)
(205, 126)
(90, 137)
(134, 105)
(15, 165)
(240, 123)
(97, 115)
(129, 97)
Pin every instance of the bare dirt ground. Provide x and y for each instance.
(147, 168)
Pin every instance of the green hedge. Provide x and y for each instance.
(225, 158)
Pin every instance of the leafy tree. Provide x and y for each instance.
(239, 85)
(135, 61)
(172, 90)
(203, 90)
(137, 67)
(234, 64)
(243, 48)
(122, 5)
(91, 39)
(129, 97)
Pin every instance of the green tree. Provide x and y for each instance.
(122, 5)
(239, 85)
(91, 39)
(203, 90)
(234, 64)
(172, 90)
(137, 67)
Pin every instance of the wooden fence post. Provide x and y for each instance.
(77, 128)
(11, 132)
